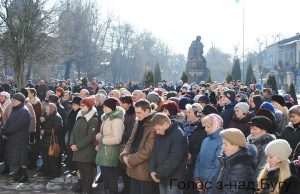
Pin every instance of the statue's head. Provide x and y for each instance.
(198, 38)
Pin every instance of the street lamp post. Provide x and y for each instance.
(105, 64)
(260, 73)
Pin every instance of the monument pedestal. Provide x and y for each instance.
(198, 75)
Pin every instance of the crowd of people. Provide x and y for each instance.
(215, 138)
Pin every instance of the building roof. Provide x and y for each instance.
(288, 40)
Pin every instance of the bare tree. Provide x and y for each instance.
(24, 26)
(83, 36)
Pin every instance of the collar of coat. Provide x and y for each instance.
(118, 113)
(5, 105)
(88, 115)
(34, 100)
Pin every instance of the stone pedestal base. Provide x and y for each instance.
(198, 76)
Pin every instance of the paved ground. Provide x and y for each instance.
(38, 184)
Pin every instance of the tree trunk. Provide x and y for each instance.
(19, 74)
(68, 69)
(29, 71)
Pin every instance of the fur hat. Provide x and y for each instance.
(234, 136)
(19, 97)
(279, 148)
(209, 109)
(88, 101)
(243, 106)
(76, 100)
(111, 103)
(262, 122)
(279, 99)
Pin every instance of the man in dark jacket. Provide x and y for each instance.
(167, 165)
(16, 130)
(228, 101)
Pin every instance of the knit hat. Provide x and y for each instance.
(88, 101)
(203, 99)
(60, 89)
(243, 106)
(111, 103)
(53, 98)
(279, 148)
(279, 99)
(209, 109)
(230, 94)
(234, 136)
(295, 109)
(19, 97)
(262, 122)
(6, 94)
(267, 106)
(76, 100)
(153, 97)
(184, 101)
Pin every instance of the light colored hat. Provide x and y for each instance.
(243, 106)
(234, 136)
(6, 94)
(279, 148)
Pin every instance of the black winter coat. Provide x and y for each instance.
(292, 135)
(71, 119)
(169, 156)
(195, 141)
(53, 121)
(69, 124)
(129, 121)
(62, 112)
(17, 131)
(236, 169)
(227, 114)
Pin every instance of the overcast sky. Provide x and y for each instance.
(219, 22)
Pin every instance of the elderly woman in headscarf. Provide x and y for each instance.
(207, 161)
(53, 121)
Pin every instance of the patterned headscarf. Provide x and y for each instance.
(52, 107)
(216, 120)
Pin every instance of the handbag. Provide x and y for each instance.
(54, 149)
